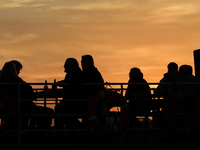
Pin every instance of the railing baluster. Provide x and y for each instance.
(19, 115)
(122, 89)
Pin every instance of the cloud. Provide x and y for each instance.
(173, 12)
(106, 5)
(118, 34)
(19, 3)
(8, 39)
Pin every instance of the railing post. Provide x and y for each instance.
(122, 89)
(19, 114)
(54, 88)
(45, 92)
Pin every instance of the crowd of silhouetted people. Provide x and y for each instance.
(80, 84)
(181, 74)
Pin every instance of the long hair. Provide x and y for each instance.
(8, 71)
(71, 65)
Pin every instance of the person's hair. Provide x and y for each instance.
(17, 64)
(8, 71)
(88, 58)
(172, 65)
(73, 62)
(186, 69)
(135, 72)
(71, 65)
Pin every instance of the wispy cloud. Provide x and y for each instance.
(175, 12)
(19, 3)
(121, 33)
(8, 39)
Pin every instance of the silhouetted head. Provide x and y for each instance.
(9, 71)
(172, 66)
(87, 62)
(71, 65)
(172, 69)
(18, 65)
(186, 70)
(135, 72)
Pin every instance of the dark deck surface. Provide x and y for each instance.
(102, 146)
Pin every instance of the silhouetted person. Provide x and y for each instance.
(166, 90)
(184, 105)
(9, 74)
(137, 92)
(136, 76)
(185, 75)
(72, 90)
(91, 75)
(172, 77)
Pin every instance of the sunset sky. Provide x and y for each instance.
(119, 34)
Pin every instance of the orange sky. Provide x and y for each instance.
(119, 34)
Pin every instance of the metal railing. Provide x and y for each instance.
(147, 118)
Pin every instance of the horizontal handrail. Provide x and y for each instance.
(106, 83)
(122, 89)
